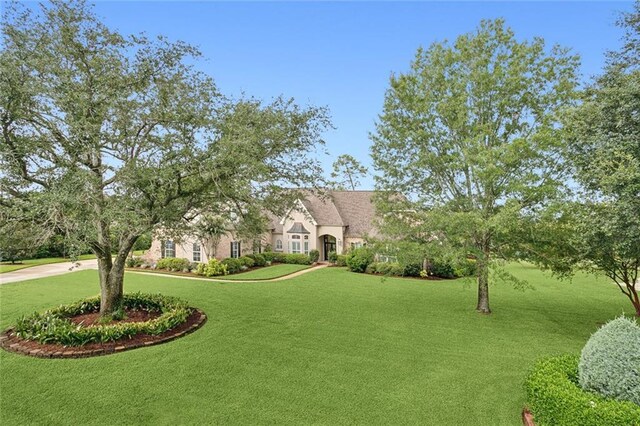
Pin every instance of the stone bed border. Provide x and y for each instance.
(78, 352)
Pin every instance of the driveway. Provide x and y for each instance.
(42, 271)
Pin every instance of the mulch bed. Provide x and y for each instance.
(12, 343)
(132, 315)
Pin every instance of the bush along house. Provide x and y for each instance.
(336, 222)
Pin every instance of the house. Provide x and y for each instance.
(336, 222)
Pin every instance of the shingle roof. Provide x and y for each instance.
(357, 211)
(323, 210)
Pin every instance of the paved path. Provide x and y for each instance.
(218, 280)
(42, 271)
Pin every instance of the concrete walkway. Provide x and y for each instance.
(42, 271)
(218, 280)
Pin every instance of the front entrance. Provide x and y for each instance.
(329, 245)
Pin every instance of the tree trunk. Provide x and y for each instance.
(483, 282)
(111, 271)
(635, 300)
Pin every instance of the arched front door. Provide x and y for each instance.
(329, 245)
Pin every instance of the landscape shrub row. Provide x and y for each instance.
(55, 326)
(556, 398)
(362, 260)
(215, 268)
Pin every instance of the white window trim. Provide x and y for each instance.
(170, 243)
(198, 252)
(278, 245)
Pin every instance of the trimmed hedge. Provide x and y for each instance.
(258, 259)
(359, 259)
(174, 264)
(292, 258)
(55, 326)
(341, 260)
(234, 265)
(314, 256)
(555, 398)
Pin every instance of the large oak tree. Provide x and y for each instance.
(469, 135)
(106, 137)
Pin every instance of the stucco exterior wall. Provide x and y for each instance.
(302, 217)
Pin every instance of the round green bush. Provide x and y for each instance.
(55, 326)
(359, 259)
(233, 265)
(610, 361)
(213, 268)
(555, 398)
(314, 256)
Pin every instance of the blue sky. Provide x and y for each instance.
(341, 54)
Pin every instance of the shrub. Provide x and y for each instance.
(424, 274)
(359, 259)
(268, 256)
(441, 269)
(213, 268)
(297, 259)
(411, 270)
(332, 257)
(555, 398)
(134, 262)
(258, 259)
(233, 265)
(173, 264)
(341, 260)
(466, 268)
(314, 256)
(610, 361)
(55, 326)
(246, 261)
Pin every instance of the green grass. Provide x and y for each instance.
(267, 272)
(27, 263)
(328, 347)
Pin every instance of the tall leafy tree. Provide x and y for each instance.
(604, 148)
(108, 136)
(469, 136)
(347, 172)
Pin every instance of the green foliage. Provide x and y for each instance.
(610, 361)
(411, 270)
(233, 265)
(332, 257)
(346, 173)
(314, 256)
(134, 262)
(143, 242)
(441, 269)
(296, 259)
(174, 264)
(258, 259)
(54, 326)
(359, 259)
(132, 136)
(470, 133)
(555, 399)
(385, 268)
(213, 268)
(341, 260)
(247, 261)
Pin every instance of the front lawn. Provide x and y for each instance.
(266, 273)
(27, 263)
(329, 347)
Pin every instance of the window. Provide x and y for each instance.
(295, 246)
(306, 247)
(295, 237)
(278, 245)
(306, 237)
(356, 245)
(169, 249)
(197, 256)
(235, 249)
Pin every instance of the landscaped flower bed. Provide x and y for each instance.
(219, 268)
(555, 398)
(77, 327)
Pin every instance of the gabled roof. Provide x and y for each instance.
(357, 211)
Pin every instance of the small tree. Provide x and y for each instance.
(108, 137)
(346, 172)
(469, 135)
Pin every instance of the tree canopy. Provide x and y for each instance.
(470, 135)
(108, 136)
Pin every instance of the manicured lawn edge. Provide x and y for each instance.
(49, 261)
(220, 278)
(10, 343)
